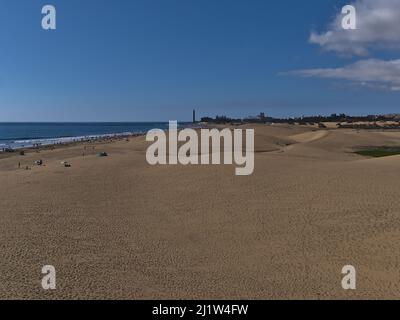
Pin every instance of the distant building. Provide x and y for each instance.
(262, 117)
(194, 116)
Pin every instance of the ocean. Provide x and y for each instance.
(22, 135)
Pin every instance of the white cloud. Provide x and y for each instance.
(373, 73)
(378, 27)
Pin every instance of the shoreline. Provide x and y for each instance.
(72, 143)
(91, 140)
(11, 145)
(42, 142)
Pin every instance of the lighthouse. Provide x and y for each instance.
(194, 116)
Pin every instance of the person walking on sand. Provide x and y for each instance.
(19, 165)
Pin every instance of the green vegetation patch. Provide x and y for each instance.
(379, 152)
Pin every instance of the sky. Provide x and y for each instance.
(157, 60)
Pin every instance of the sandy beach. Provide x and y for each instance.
(117, 228)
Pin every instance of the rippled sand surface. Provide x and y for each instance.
(117, 228)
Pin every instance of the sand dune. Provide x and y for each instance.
(309, 136)
(116, 227)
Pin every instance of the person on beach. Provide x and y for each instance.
(19, 165)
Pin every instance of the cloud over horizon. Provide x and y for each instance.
(378, 27)
(373, 73)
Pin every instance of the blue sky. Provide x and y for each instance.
(156, 60)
